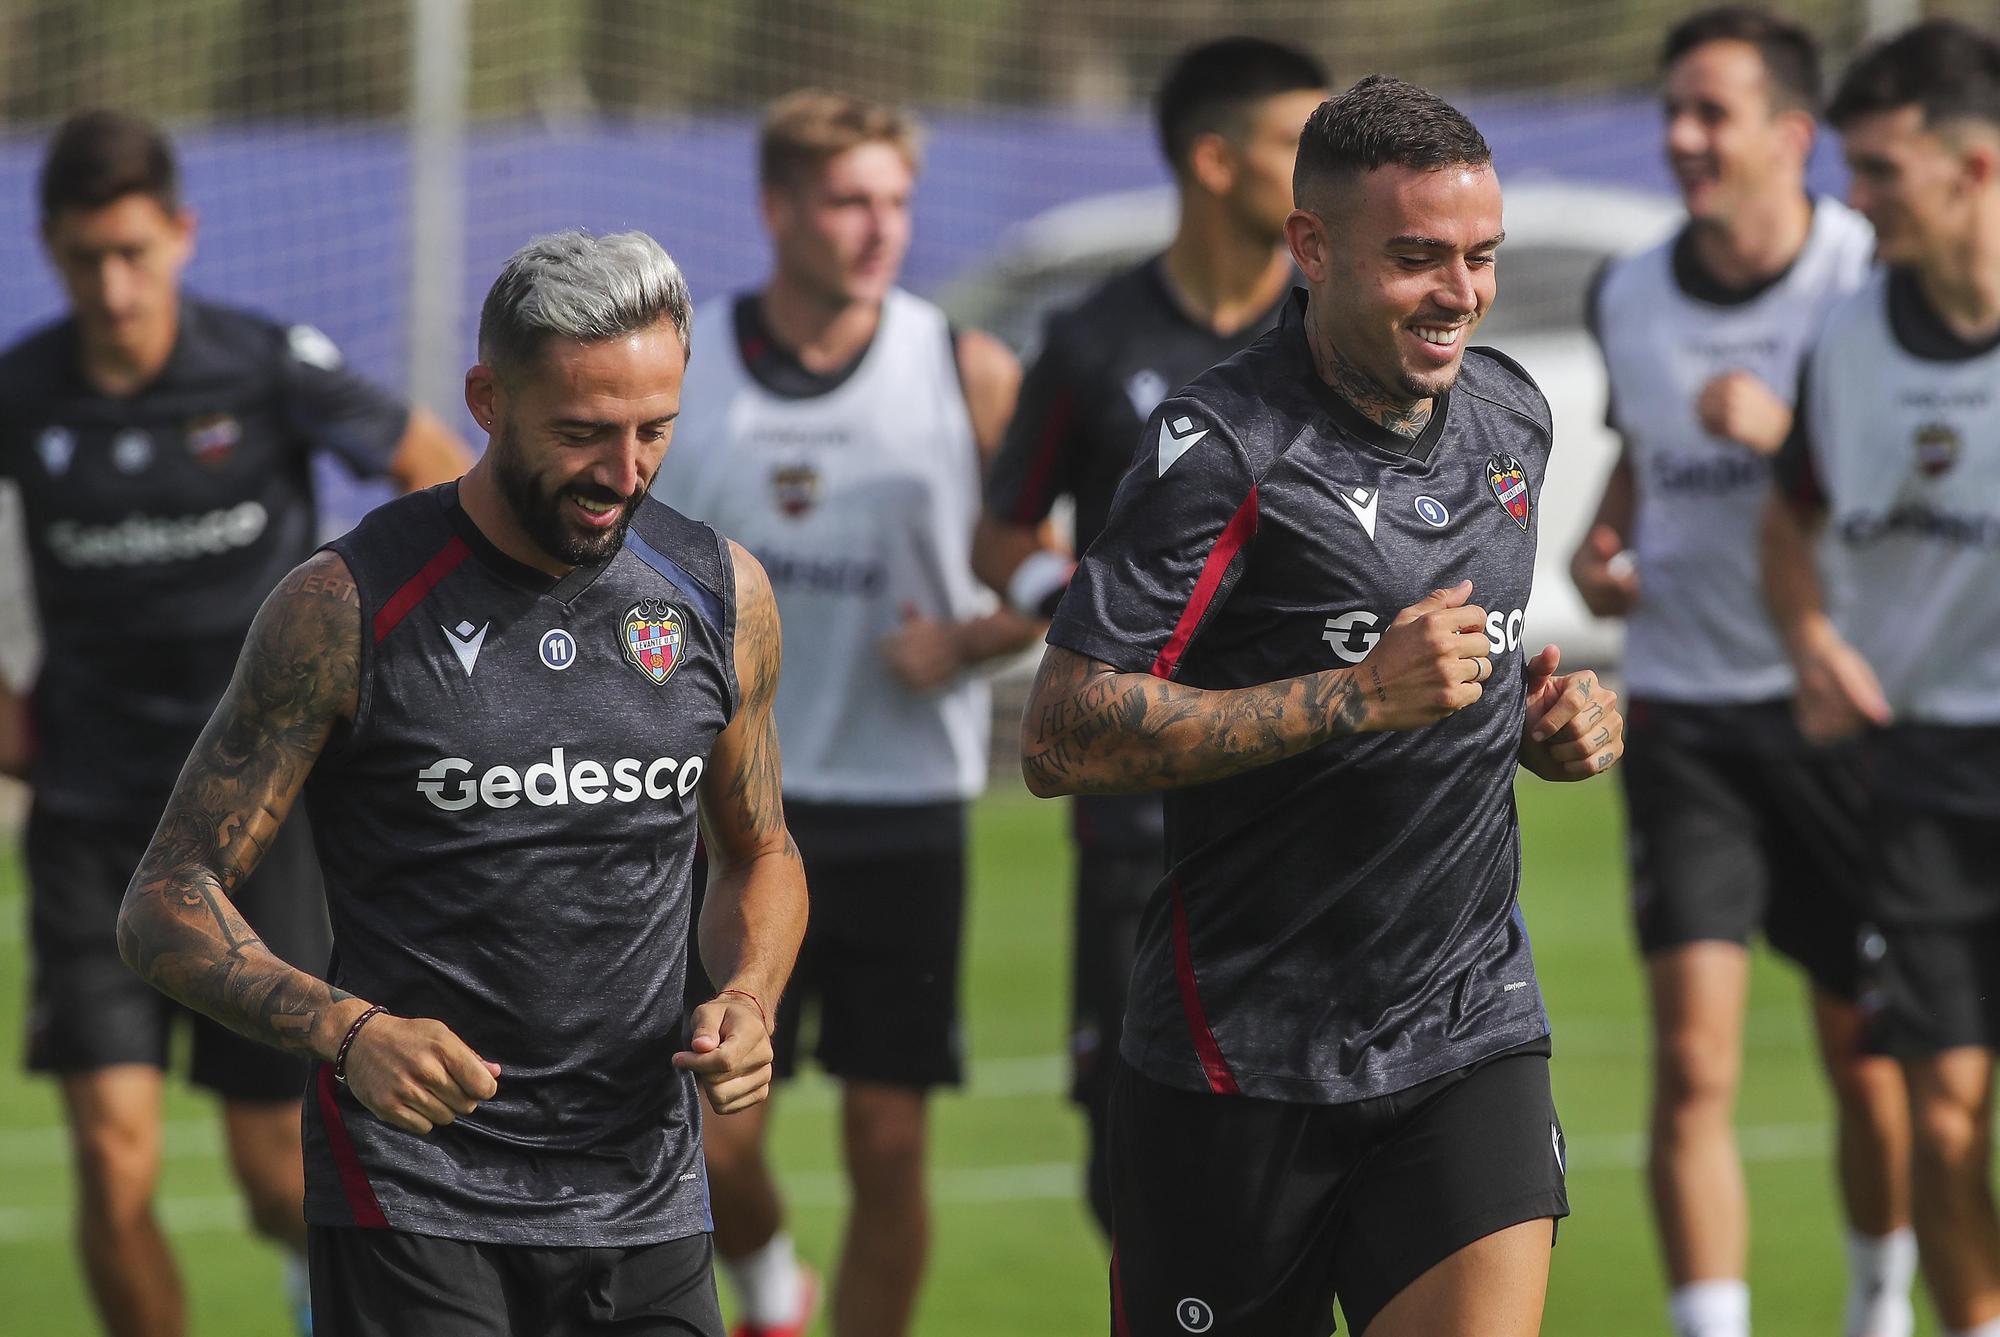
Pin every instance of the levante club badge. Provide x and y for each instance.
(653, 638)
(1510, 486)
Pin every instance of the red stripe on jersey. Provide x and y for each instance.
(417, 586)
(353, 1179)
(1033, 503)
(1235, 534)
(1119, 1327)
(1220, 1079)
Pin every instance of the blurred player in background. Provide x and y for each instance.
(1894, 460)
(163, 448)
(1229, 115)
(1334, 1073)
(836, 425)
(510, 702)
(1736, 823)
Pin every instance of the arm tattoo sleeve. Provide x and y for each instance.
(299, 672)
(750, 812)
(1090, 729)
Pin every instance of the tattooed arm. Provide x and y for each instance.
(754, 913)
(298, 674)
(1090, 729)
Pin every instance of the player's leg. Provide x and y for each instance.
(653, 1290)
(1447, 1226)
(385, 1283)
(1951, 1108)
(106, 1040)
(1698, 890)
(1112, 888)
(114, 1124)
(889, 1031)
(1493, 1287)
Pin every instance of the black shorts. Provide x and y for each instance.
(386, 1283)
(1112, 888)
(1724, 841)
(1246, 1218)
(1934, 969)
(887, 889)
(87, 1010)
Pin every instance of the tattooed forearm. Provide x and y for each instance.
(298, 674)
(1089, 729)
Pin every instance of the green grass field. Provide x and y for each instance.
(1015, 1251)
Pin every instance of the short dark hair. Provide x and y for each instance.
(1382, 122)
(1211, 85)
(99, 157)
(1789, 53)
(1948, 69)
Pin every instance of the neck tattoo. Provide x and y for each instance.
(1404, 417)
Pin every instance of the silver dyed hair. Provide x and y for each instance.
(581, 287)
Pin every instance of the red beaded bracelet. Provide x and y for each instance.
(347, 1042)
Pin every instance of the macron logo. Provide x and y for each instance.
(1362, 502)
(1177, 438)
(465, 643)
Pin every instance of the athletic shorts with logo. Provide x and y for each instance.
(389, 1283)
(883, 940)
(1241, 1217)
(1736, 825)
(88, 1010)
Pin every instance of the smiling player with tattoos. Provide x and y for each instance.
(1302, 623)
(508, 701)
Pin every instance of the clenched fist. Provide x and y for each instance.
(1429, 663)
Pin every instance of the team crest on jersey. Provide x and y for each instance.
(795, 487)
(653, 636)
(1510, 486)
(212, 437)
(1937, 446)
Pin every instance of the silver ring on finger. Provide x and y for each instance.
(1485, 669)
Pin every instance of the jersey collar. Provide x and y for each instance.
(1350, 420)
(1920, 331)
(563, 589)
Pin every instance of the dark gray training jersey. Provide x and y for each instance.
(1344, 923)
(507, 831)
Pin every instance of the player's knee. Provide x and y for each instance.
(116, 1171)
(1950, 1137)
(1695, 1073)
(730, 1156)
(885, 1143)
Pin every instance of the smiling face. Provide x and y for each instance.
(578, 434)
(841, 232)
(1728, 142)
(1401, 270)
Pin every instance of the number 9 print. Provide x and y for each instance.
(1195, 1315)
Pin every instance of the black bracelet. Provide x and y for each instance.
(347, 1043)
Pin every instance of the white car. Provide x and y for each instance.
(1558, 234)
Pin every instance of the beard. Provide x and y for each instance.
(543, 511)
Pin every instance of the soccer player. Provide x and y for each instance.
(837, 429)
(507, 702)
(1737, 824)
(162, 446)
(1229, 118)
(1894, 462)
(1334, 1072)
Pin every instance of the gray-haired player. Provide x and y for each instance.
(1894, 461)
(508, 701)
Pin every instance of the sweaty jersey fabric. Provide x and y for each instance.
(1898, 438)
(157, 523)
(1344, 923)
(859, 501)
(1105, 365)
(507, 831)
(1700, 633)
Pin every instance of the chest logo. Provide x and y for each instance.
(1146, 389)
(1177, 438)
(57, 446)
(1510, 486)
(653, 637)
(212, 437)
(1352, 635)
(795, 487)
(1937, 446)
(131, 450)
(465, 643)
(1361, 501)
(558, 649)
(1432, 512)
